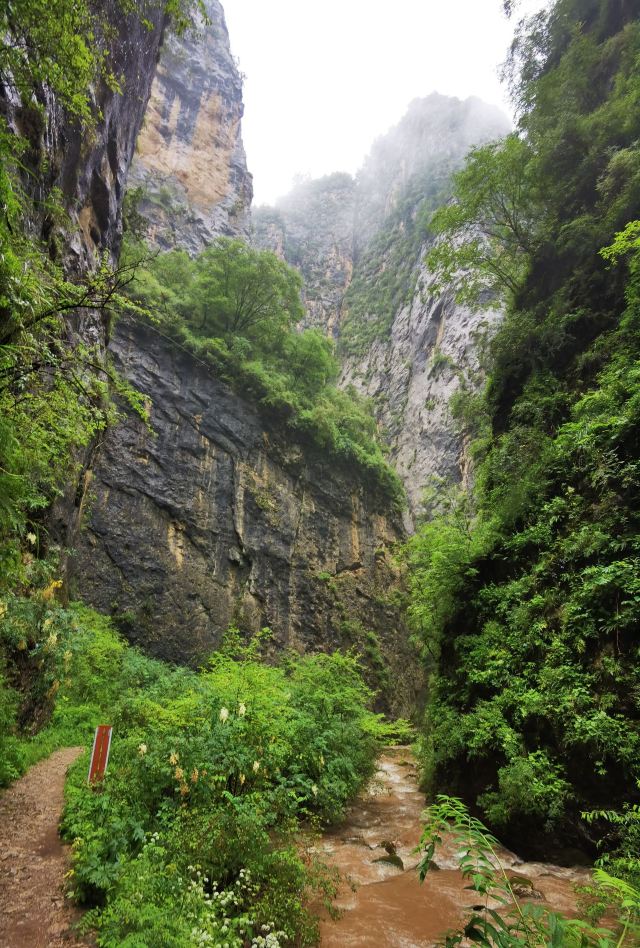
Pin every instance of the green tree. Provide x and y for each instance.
(490, 230)
(238, 291)
(309, 360)
(531, 619)
(238, 309)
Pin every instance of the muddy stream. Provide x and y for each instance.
(385, 905)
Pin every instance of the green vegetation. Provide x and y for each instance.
(236, 310)
(194, 837)
(54, 396)
(502, 919)
(66, 48)
(385, 274)
(196, 825)
(526, 596)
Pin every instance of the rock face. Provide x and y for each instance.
(411, 374)
(212, 520)
(91, 171)
(313, 229)
(360, 245)
(190, 160)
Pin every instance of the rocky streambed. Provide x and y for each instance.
(382, 901)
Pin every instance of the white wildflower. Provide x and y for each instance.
(224, 714)
(142, 749)
(256, 766)
(242, 709)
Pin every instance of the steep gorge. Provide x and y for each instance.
(233, 499)
(360, 245)
(213, 518)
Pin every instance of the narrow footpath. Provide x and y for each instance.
(33, 861)
(384, 905)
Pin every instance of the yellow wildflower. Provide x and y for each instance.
(53, 689)
(48, 593)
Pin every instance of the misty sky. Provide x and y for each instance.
(325, 77)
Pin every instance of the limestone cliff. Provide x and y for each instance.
(212, 519)
(91, 170)
(190, 162)
(313, 229)
(211, 516)
(360, 245)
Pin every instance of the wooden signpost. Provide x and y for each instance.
(100, 753)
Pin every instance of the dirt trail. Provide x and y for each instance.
(33, 910)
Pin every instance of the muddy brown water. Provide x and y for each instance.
(384, 905)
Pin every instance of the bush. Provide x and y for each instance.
(194, 832)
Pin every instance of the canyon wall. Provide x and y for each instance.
(90, 170)
(360, 245)
(190, 166)
(211, 516)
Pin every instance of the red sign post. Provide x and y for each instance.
(100, 753)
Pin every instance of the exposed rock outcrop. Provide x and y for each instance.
(212, 519)
(360, 245)
(313, 229)
(91, 170)
(190, 161)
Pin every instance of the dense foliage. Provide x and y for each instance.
(527, 600)
(210, 774)
(236, 310)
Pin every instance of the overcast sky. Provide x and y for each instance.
(326, 77)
